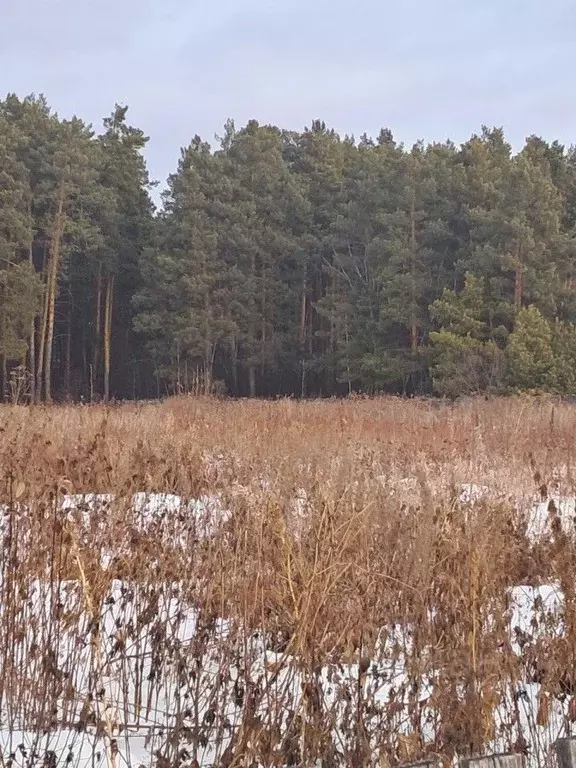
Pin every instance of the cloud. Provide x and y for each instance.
(426, 69)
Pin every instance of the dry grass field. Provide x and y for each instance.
(362, 582)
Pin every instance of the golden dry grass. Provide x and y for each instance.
(381, 540)
(99, 447)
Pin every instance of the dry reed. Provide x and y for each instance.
(350, 606)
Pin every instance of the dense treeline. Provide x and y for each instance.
(281, 263)
(75, 216)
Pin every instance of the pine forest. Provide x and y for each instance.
(281, 263)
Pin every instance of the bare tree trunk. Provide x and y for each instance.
(42, 336)
(68, 355)
(32, 341)
(252, 380)
(52, 288)
(309, 334)
(302, 334)
(178, 377)
(51, 305)
(413, 308)
(108, 334)
(263, 335)
(234, 352)
(208, 346)
(303, 310)
(252, 330)
(310, 317)
(518, 287)
(348, 375)
(85, 369)
(97, 325)
(32, 361)
(4, 377)
(3, 367)
(335, 335)
(332, 347)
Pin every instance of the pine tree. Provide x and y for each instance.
(530, 351)
(20, 289)
(465, 359)
(261, 240)
(182, 307)
(320, 160)
(127, 225)
(283, 262)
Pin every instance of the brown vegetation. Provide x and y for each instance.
(382, 598)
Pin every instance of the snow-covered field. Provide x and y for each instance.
(154, 678)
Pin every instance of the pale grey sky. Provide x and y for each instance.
(431, 69)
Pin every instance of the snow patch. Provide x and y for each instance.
(471, 493)
(540, 519)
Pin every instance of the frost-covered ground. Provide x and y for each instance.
(149, 683)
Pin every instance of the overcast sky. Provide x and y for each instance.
(431, 69)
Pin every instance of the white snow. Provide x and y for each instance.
(144, 667)
(472, 492)
(540, 517)
(145, 685)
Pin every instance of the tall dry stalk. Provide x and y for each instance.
(348, 607)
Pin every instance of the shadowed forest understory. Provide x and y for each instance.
(281, 263)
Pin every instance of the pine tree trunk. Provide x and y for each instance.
(234, 352)
(85, 367)
(303, 310)
(108, 334)
(252, 380)
(32, 340)
(4, 378)
(51, 308)
(97, 325)
(32, 361)
(263, 339)
(2, 354)
(330, 383)
(349, 377)
(52, 289)
(302, 335)
(208, 350)
(518, 287)
(335, 336)
(413, 310)
(310, 318)
(42, 336)
(68, 354)
(252, 329)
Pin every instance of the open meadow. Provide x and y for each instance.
(360, 582)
